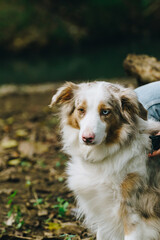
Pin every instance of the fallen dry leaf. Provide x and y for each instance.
(29, 148)
(14, 162)
(26, 149)
(21, 133)
(54, 226)
(71, 227)
(42, 212)
(6, 191)
(40, 147)
(8, 143)
(10, 220)
(6, 174)
(67, 227)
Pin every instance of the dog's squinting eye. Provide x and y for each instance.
(105, 112)
(81, 110)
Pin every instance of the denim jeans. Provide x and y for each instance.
(149, 96)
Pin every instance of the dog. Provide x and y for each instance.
(105, 132)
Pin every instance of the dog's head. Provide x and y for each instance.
(101, 111)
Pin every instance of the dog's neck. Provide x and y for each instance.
(122, 162)
(115, 159)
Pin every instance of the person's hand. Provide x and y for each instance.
(155, 153)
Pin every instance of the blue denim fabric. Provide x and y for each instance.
(149, 96)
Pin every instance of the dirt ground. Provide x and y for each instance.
(34, 201)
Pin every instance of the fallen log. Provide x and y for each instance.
(145, 68)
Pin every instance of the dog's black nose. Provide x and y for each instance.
(88, 138)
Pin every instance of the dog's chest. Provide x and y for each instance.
(98, 197)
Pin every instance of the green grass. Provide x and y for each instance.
(61, 206)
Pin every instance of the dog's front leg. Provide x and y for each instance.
(135, 234)
(99, 235)
(104, 236)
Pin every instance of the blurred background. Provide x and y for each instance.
(45, 41)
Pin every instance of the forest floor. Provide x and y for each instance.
(34, 200)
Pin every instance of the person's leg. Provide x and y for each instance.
(149, 96)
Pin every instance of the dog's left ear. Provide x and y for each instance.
(64, 94)
(131, 105)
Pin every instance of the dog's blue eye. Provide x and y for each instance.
(105, 112)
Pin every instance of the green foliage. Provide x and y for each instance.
(60, 179)
(28, 183)
(48, 220)
(11, 197)
(62, 160)
(38, 201)
(26, 164)
(67, 236)
(15, 211)
(62, 206)
(58, 164)
(18, 217)
(41, 163)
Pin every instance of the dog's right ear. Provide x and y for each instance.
(131, 105)
(64, 94)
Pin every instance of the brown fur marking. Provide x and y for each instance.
(103, 106)
(76, 115)
(142, 112)
(67, 93)
(141, 198)
(130, 184)
(131, 106)
(114, 123)
(128, 187)
(73, 120)
(128, 227)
